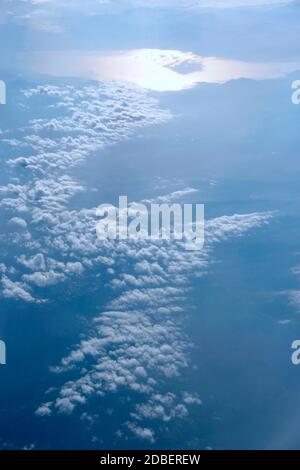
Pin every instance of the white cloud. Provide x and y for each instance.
(44, 410)
(42, 279)
(18, 223)
(138, 342)
(15, 290)
(142, 433)
(36, 262)
(86, 119)
(160, 407)
(191, 399)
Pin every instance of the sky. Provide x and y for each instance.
(142, 344)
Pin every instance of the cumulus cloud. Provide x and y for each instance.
(84, 121)
(15, 290)
(44, 410)
(42, 279)
(142, 433)
(35, 263)
(138, 342)
(161, 407)
(18, 223)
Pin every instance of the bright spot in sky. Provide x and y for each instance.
(154, 69)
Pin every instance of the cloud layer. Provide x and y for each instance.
(137, 344)
(45, 14)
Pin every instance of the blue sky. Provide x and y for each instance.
(186, 101)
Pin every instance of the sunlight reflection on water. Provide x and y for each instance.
(155, 69)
